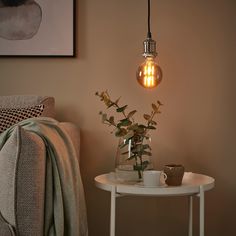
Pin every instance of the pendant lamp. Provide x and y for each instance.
(149, 73)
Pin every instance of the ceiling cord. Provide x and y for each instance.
(149, 34)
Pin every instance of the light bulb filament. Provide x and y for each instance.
(149, 69)
(152, 70)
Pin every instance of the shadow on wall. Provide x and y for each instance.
(69, 114)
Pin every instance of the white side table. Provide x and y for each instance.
(193, 184)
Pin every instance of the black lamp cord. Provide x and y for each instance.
(149, 34)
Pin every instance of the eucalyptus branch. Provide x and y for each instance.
(123, 112)
(131, 131)
(109, 123)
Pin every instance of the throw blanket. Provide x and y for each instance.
(65, 211)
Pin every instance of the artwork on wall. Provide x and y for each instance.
(37, 28)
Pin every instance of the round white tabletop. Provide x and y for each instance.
(190, 185)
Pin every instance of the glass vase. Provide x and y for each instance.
(129, 166)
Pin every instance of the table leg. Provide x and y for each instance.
(201, 211)
(190, 219)
(113, 211)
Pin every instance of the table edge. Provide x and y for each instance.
(159, 191)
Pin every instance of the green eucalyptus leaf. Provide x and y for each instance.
(131, 157)
(152, 122)
(121, 109)
(147, 153)
(104, 117)
(117, 133)
(145, 164)
(138, 149)
(142, 126)
(138, 167)
(120, 132)
(147, 117)
(154, 107)
(151, 127)
(117, 100)
(122, 145)
(129, 135)
(124, 153)
(112, 120)
(141, 129)
(133, 127)
(131, 113)
(125, 122)
(123, 132)
(146, 146)
(110, 104)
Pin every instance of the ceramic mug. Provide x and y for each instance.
(152, 178)
(174, 174)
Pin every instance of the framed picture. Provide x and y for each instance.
(37, 28)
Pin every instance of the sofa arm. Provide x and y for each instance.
(22, 181)
(5, 228)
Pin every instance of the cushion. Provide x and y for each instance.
(23, 101)
(19, 107)
(11, 116)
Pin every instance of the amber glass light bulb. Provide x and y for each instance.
(149, 74)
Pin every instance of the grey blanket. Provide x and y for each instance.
(65, 210)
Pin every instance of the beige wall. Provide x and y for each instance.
(196, 45)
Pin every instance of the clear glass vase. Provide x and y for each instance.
(129, 166)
